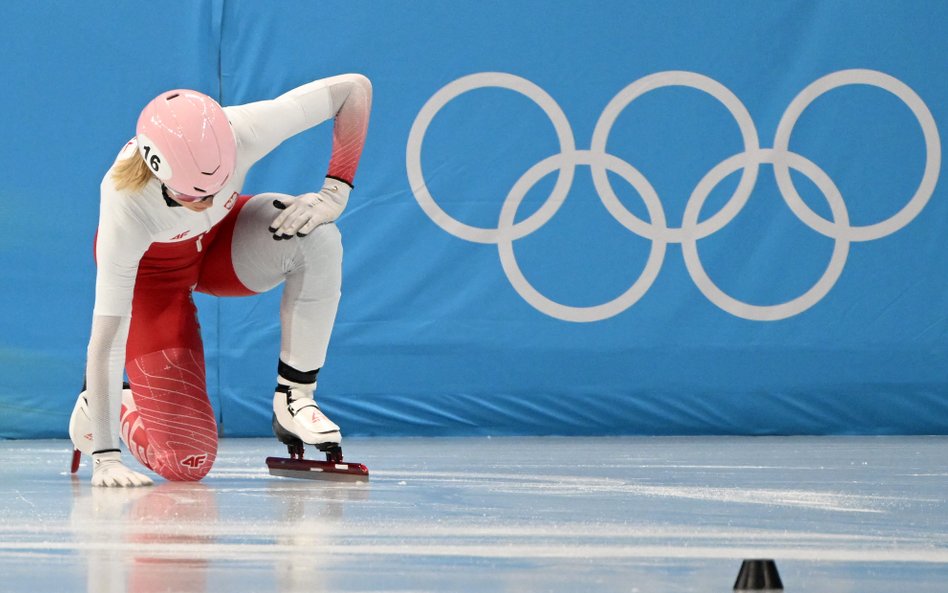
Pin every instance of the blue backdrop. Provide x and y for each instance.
(658, 218)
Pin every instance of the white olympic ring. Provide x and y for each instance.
(691, 230)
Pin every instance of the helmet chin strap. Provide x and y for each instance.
(168, 200)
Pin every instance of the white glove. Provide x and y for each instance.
(108, 470)
(301, 214)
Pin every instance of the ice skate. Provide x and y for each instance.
(80, 426)
(297, 422)
(80, 431)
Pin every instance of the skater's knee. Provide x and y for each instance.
(328, 232)
(175, 445)
(325, 242)
(180, 463)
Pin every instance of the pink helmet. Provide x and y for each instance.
(187, 142)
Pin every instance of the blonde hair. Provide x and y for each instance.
(131, 173)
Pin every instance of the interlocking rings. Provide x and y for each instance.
(691, 230)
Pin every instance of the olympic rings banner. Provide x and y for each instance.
(748, 161)
(617, 218)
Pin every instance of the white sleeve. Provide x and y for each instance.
(262, 126)
(104, 365)
(121, 241)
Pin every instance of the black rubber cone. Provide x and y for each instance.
(758, 575)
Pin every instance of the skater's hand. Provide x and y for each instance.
(301, 214)
(108, 470)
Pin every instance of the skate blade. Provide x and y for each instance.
(310, 469)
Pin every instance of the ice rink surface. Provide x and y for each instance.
(838, 514)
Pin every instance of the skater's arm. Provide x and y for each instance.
(106, 360)
(262, 126)
(351, 98)
(352, 103)
(104, 366)
(121, 241)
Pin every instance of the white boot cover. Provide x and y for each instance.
(80, 426)
(298, 413)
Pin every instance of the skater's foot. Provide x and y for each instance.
(297, 418)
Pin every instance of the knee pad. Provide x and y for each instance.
(167, 421)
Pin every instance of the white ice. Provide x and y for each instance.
(492, 514)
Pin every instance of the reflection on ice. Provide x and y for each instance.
(163, 538)
(550, 514)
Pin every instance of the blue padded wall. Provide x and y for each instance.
(642, 218)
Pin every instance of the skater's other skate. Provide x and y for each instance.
(108, 469)
(80, 426)
(80, 423)
(297, 418)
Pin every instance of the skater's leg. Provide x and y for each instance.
(253, 262)
(311, 268)
(168, 423)
(161, 341)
